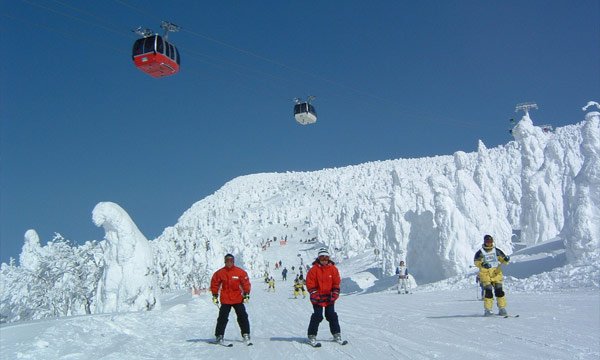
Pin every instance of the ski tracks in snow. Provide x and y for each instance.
(425, 325)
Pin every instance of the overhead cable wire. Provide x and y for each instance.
(71, 16)
(88, 13)
(407, 110)
(60, 32)
(278, 63)
(187, 52)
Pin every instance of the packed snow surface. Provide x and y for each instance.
(538, 196)
(441, 320)
(423, 325)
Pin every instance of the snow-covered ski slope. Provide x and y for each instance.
(430, 212)
(443, 320)
(424, 325)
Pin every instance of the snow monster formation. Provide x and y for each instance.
(582, 230)
(128, 282)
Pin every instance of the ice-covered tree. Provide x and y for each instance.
(128, 281)
(582, 231)
(57, 279)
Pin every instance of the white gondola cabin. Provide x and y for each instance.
(304, 112)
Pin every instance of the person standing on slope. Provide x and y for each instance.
(271, 284)
(284, 274)
(323, 284)
(478, 282)
(299, 287)
(489, 259)
(234, 287)
(403, 281)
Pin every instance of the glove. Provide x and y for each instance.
(246, 298)
(215, 299)
(315, 298)
(486, 265)
(507, 258)
(334, 296)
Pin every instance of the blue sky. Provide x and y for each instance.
(393, 79)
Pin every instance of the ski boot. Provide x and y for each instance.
(338, 339)
(220, 340)
(487, 313)
(503, 312)
(246, 338)
(312, 340)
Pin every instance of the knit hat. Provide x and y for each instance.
(229, 256)
(323, 252)
(490, 242)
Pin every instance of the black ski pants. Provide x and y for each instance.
(242, 318)
(497, 288)
(317, 317)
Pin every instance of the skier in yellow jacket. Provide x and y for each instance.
(489, 259)
(299, 287)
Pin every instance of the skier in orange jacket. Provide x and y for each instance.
(323, 284)
(234, 287)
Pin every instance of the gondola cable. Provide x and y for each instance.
(409, 113)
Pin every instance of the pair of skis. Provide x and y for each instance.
(315, 345)
(318, 344)
(226, 344)
(508, 316)
(502, 316)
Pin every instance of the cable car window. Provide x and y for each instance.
(159, 45)
(311, 109)
(177, 53)
(167, 49)
(171, 52)
(148, 44)
(138, 47)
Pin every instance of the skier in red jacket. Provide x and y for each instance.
(235, 291)
(323, 285)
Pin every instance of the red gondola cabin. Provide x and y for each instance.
(155, 56)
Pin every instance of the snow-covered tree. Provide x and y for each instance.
(582, 231)
(430, 212)
(57, 279)
(128, 281)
